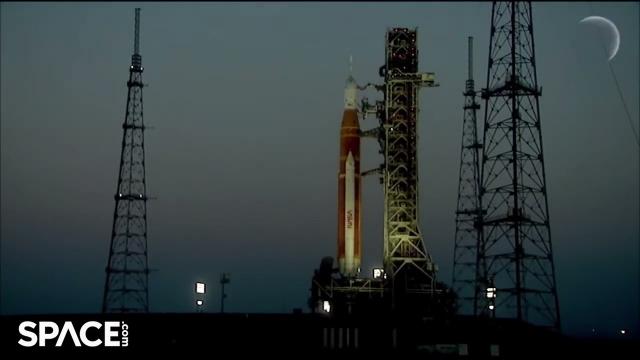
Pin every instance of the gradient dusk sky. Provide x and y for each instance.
(245, 101)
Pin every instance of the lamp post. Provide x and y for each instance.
(491, 296)
(225, 278)
(201, 289)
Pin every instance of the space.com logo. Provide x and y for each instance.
(115, 334)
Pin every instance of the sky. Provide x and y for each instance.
(245, 101)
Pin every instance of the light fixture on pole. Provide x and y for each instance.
(225, 278)
(201, 289)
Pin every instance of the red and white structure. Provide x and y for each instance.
(349, 185)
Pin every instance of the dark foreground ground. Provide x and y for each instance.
(308, 335)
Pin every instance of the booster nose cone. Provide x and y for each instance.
(351, 163)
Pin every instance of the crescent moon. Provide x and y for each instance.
(599, 20)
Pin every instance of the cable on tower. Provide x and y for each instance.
(619, 89)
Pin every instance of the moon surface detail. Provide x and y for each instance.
(612, 30)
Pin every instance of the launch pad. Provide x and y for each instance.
(412, 310)
(407, 283)
(355, 297)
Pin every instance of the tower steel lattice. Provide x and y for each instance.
(406, 259)
(126, 286)
(468, 212)
(516, 267)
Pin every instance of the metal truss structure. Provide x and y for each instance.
(468, 212)
(516, 270)
(406, 259)
(126, 286)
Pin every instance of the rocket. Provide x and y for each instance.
(349, 183)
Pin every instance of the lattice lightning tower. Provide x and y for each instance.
(468, 212)
(515, 258)
(126, 286)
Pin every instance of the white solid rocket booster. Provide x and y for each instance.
(349, 212)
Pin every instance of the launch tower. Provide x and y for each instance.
(406, 260)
